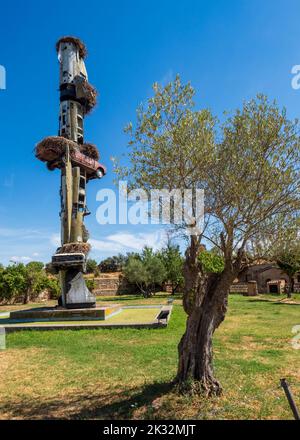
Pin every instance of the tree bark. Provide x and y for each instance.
(290, 287)
(195, 368)
(192, 275)
(26, 297)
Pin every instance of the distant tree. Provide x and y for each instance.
(114, 264)
(173, 263)
(91, 284)
(146, 271)
(53, 286)
(36, 280)
(92, 266)
(288, 259)
(23, 283)
(50, 269)
(13, 282)
(36, 266)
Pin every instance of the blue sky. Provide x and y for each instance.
(230, 50)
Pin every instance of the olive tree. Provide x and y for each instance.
(287, 256)
(146, 271)
(248, 167)
(173, 263)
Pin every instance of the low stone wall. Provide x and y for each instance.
(112, 283)
(249, 289)
(239, 288)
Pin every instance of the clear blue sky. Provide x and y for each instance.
(229, 50)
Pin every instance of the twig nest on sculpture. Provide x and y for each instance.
(74, 248)
(52, 148)
(89, 99)
(90, 150)
(78, 43)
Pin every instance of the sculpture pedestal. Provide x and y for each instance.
(78, 295)
(75, 294)
(62, 314)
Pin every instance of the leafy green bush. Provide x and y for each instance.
(211, 261)
(91, 284)
(52, 285)
(173, 263)
(21, 283)
(145, 271)
(92, 267)
(13, 282)
(112, 264)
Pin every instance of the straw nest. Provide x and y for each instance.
(52, 148)
(73, 248)
(90, 97)
(90, 150)
(78, 43)
(52, 165)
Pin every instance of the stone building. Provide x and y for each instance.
(269, 278)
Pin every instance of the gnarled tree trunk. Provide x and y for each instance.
(195, 368)
(192, 275)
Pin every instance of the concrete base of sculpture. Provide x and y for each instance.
(79, 296)
(63, 314)
(49, 319)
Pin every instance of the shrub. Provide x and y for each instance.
(173, 263)
(211, 261)
(91, 284)
(92, 266)
(146, 271)
(20, 283)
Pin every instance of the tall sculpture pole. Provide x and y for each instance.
(78, 162)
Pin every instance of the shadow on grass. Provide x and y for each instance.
(116, 405)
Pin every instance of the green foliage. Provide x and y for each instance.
(211, 262)
(289, 263)
(113, 264)
(35, 266)
(53, 286)
(288, 259)
(23, 283)
(92, 266)
(173, 263)
(13, 282)
(146, 271)
(91, 284)
(250, 172)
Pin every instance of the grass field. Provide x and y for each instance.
(126, 373)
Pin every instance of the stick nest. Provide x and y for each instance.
(90, 97)
(74, 248)
(90, 150)
(52, 148)
(78, 43)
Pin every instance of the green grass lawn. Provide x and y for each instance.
(126, 373)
